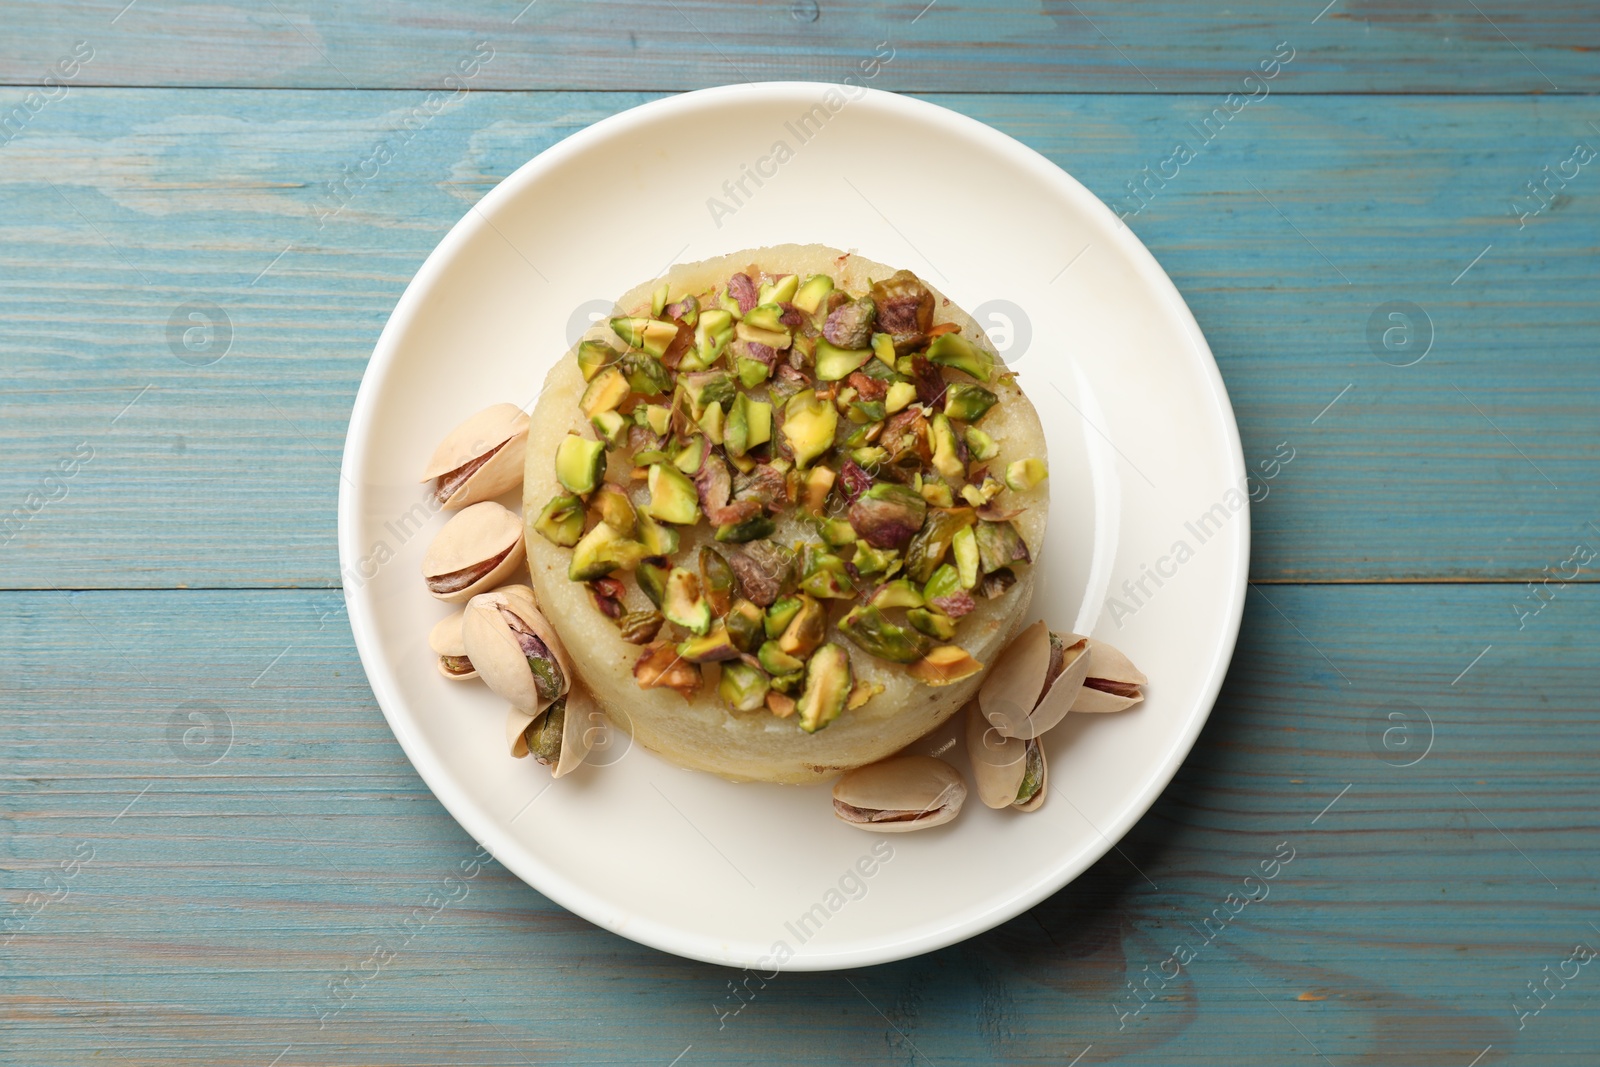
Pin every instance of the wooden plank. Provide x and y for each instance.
(1289, 234)
(205, 917)
(1089, 46)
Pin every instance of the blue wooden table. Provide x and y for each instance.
(208, 827)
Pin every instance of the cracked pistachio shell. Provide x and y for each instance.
(480, 547)
(900, 794)
(1109, 667)
(583, 719)
(497, 654)
(998, 762)
(517, 723)
(445, 640)
(1013, 697)
(479, 459)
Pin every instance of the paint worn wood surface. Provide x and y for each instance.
(1408, 718)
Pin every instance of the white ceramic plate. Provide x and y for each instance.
(1144, 454)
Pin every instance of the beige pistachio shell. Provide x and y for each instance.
(900, 794)
(1108, 666)
(480, 547)
(481, 458)
(998, 761)
(1013, 697)
(1037, 801)
(517, 723)
(583, 718)
(445, 640)
(495, 651)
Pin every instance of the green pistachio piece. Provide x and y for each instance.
(781, 291)
(982, 447)
(766, 316)
(899, 593)
(615, 509)
(838, 533)
(594, 357)
(825, 577)
(744, 621)
(883, 348)
(953, 350)
(938, 626)
(835, 364)
(651, 574)
(928, 547)
(658, 299)
(611, 428)
(751, 529)
(658, 417)
(682, 602)
(743, 687)
(640, 627)
(828, 684)
(868, 628)
(561, 521)
(900, 397)
(672, 496)
(776, 661)
(870, 560)
(806, 630)
(999, 545)
(779, 339)
(651, 335)
(580, 464)
(862, 412)
(869, 457)
(938, 494)
(809, 423)
(945, 580)
(714, 646)
(691, 310)
(752, 372)
(717, 580)
(969, 403)
(811, 295)
(707, 387)
(711, 423)
(946, 454)
(964, 547)
(688, 458)
(601, 551)
(779, 615)
(1024, 474)
(1032, 772)
(660, 540)
(646, 376)
(711, 335)
(749, 425)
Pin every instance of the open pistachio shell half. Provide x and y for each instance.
(1112, 682)
(900, 794)
(517, 652)
(560, 737)
(445, 640)
(480, 547)
(1008, 772)
(517, 723)
(1034, 683)
(479, 459)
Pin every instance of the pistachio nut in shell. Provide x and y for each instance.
(899, 794)
(445, 640)
(517, 652)
(480, 547)
(479, 459)
(1007, 772)
(1112, 682)
(560, 738)
(1033, 684)
(517, 723)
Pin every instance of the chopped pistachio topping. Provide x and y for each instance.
(774, 396)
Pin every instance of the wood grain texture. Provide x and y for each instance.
(211, 905)
(982, 45)
(1287, 234)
